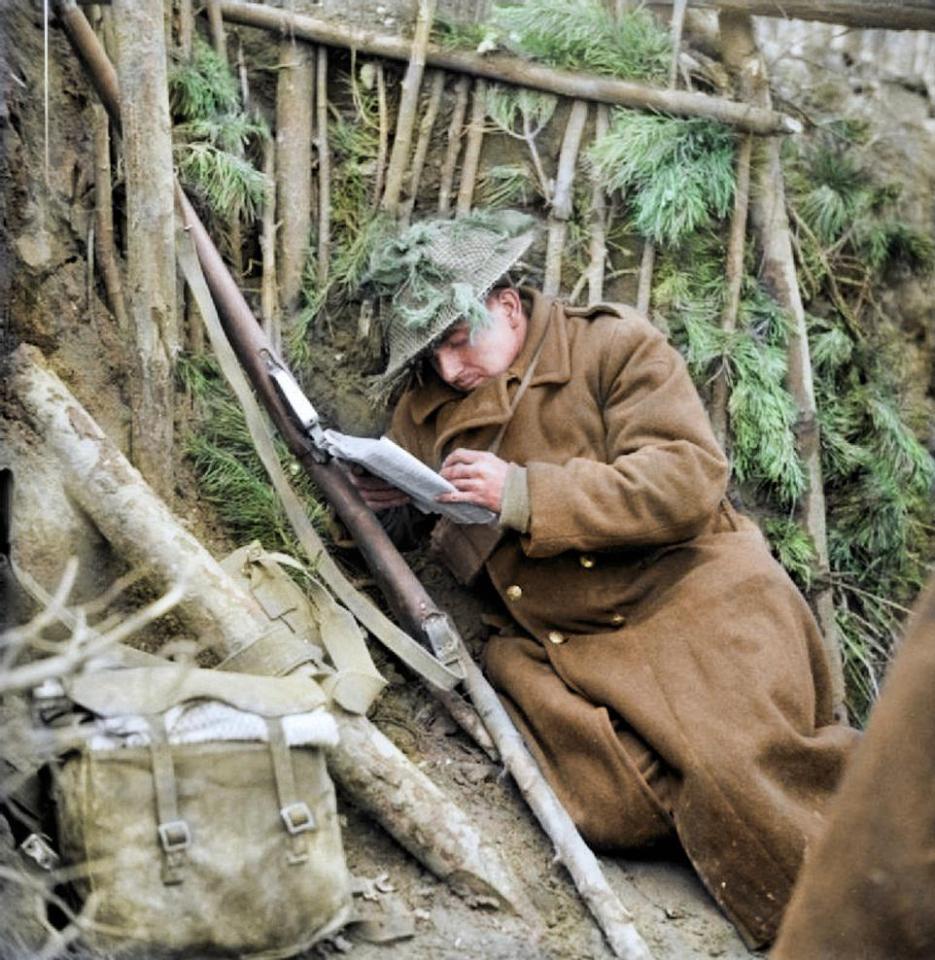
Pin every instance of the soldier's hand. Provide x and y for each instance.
(478, 476)
(375, 491)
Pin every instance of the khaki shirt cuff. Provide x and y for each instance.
(514, 508)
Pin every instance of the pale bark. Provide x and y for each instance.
(186, 29)
(597, 224)
(105, 246)
(885, 14)
(645, 287)
(778, 273)
(563, 196)
(472, 148)
(269, 303)
(515, 70)
(408, 109)
(216, 27)
(370, 770)
(324, 167)
(455, 129)
(436, 89)
(151, 286)
(383, 134)
(294, 96)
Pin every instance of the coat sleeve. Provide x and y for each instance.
(664, 473)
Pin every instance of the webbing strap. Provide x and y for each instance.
(296, 816)
(396, 640)
(173, 832)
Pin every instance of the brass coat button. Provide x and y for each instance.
(514, 592)
(618, 619)
(556, 637)
(586, 561)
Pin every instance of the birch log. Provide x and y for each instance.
(371, 771)
(294, 94)
(151, 286)
(771, 223)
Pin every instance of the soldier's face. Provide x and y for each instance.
(465, 362)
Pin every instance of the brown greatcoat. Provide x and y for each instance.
(665, 671)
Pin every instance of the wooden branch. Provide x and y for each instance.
(475, 140)
(734, 281)
(408, 108)
(216, 28)
(324, 168)
(676, 26)
(371, 771)
(879, 14)
(570, 849)
(384, 133)
(269, 301)
(563, 197)
(455, 128)
(515, 70)
(105, 246)
(294, 97)
(598, 221)
(186, 29)
(436, 89)
(645, 289)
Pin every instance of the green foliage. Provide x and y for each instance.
(505, 185)
(793, 548)
(584, 35)
(462, 36)
(679, 174)
(519, 110)
(214, 136)
(230, 474)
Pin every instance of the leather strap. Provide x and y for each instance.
(174, 834)
(296, 816)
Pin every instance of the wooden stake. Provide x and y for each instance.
(563, 196)
(472, 148)
(598, 220)
(436, 89)
(294, 98)
(408, 108)
(104, 219)
(269, 301)
(186, 29)
(216, 26)
(515, 70)
(324, 169)
(383, 134)
(455, 128)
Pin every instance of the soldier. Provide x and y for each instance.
(664, 670)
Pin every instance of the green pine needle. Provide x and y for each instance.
(793, 547)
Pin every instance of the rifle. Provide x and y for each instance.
(402, 589)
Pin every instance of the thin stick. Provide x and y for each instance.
(677, 24)
(475, 140)
(570, 849)
(408, 108)
(515, 70)
(422, 144)
(106, 249)
(384, 134)
(563, 196)
(324, 168)
(644, 292)
(598, 219)
(269, 301)
(734, 270)
(186, 29)
(455, 128)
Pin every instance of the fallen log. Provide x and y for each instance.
(371, 771)
(515, 70)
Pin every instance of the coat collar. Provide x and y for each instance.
(490, 403)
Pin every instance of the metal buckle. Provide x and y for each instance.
(174, 835)
(297, 817)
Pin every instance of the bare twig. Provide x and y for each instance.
(422, 144)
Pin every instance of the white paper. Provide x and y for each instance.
(388, 460)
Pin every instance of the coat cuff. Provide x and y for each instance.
(514, 508)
